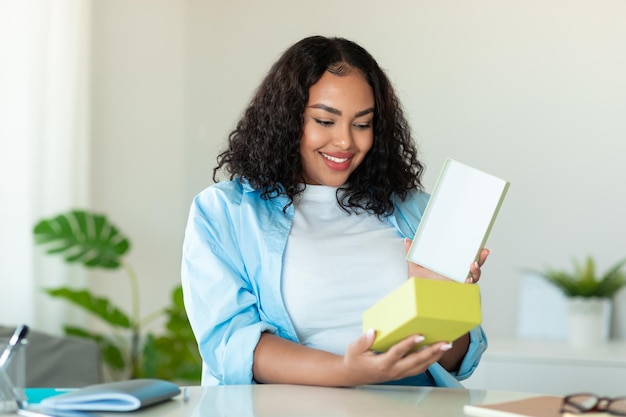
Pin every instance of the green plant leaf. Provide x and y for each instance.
(173, 355)
(584, 281)
(172, 358)
(150, 360)
(98, 306)
(613, 280)
(83, 237)
(111, 353)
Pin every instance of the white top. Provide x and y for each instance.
(336, 266)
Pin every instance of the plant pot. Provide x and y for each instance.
(589, 320)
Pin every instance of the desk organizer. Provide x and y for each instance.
(438, 310)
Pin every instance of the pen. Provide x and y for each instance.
(18, 335)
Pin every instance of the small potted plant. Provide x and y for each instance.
(590, 298)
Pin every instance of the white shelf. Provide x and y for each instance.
(551, 367)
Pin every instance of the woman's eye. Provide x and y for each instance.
(324, 123)
(362, 126)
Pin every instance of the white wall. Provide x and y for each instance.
(139, 141)
(531, 91)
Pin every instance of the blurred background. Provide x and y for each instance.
(122, 106)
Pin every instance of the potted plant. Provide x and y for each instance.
(590, 296)
(128, 351)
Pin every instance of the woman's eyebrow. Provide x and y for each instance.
(326, 108)
(338, 112)
(364, 112)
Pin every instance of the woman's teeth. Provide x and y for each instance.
(332, 158)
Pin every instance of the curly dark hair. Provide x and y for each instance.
(264, 148)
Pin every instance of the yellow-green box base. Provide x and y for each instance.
(438, 310)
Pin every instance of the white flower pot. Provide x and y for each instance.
(589, 320)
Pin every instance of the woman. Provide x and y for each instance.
(311, 229)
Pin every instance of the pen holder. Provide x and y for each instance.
(13, 378)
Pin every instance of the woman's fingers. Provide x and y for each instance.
(484, 253)
(405, 362)
(474, 275)
(404, 347)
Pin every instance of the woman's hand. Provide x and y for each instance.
(363, 366)
(416, 270)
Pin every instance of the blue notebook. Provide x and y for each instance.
(113, 396)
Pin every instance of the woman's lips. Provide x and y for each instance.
(338, 162)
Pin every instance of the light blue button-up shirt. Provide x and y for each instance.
(231, 273)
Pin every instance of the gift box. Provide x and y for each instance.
(438, 310)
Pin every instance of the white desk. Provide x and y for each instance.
(307, 401)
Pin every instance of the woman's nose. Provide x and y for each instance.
(343, 139)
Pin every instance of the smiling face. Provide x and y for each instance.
(338, 128)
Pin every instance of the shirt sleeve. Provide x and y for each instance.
(219, 298)
(478, 345)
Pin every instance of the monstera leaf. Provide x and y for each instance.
(83, 237)
(98, 306)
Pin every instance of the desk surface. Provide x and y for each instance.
(307, 401)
